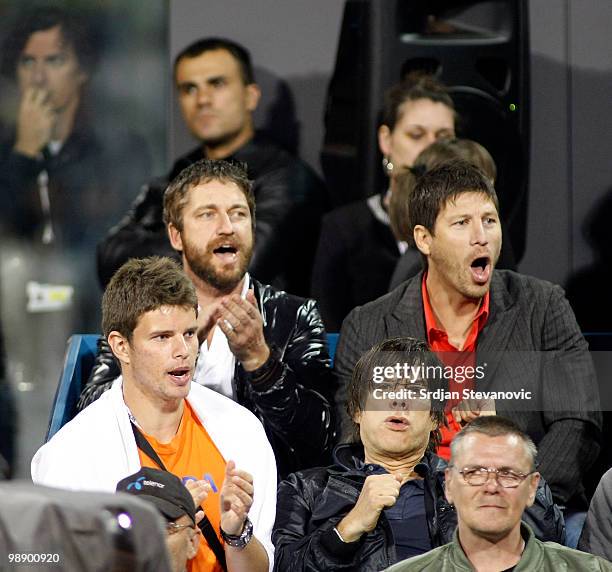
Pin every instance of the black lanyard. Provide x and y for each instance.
(205, 525)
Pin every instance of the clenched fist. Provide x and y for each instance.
(378, 492)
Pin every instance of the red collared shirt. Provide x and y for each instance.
(437, 340)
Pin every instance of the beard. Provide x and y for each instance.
(456, 275)
(202, 263)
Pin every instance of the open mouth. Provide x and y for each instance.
(396, 423)
(226, 252)
(180, 375)
(481, 269)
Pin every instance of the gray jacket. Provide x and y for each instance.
(596, 535)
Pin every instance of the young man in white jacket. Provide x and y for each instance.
(154, 416)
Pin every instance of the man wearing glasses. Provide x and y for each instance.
(491, 480)
(176, 505)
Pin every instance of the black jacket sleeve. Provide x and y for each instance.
(299, 548)
(351, 345)
(572, 408)
(18, 189)
(294, 392)
(141, 233)
(544, 516)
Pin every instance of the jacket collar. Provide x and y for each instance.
(531, 559)
(249, 153)
(407, 318)
(503, 313)
(350, 457)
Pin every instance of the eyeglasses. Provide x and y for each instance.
(173, 528)
(506, 478)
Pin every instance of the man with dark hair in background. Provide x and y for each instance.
(217, 95)
(60, 181)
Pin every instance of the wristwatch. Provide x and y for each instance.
(242, 539)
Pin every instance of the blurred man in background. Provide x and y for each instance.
(217, 95)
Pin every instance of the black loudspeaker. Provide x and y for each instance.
(478, 48)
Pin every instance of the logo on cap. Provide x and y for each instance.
(140, 482)
(136, 484)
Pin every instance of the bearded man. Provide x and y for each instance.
(262, 347)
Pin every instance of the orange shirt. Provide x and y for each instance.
(192, 455)
(438, 341)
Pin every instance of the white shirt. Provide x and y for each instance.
(216, 364)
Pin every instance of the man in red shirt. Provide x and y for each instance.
(460, 303)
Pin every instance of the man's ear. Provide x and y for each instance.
(194, 543)
(533, 488)
(174, 235)
(384, 140)
(120, 347)
(448, 476)
(422, 238)
(253, 95)
(83, 78)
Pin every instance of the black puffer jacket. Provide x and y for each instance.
(290, 200)
(311, 503)
(291, 393)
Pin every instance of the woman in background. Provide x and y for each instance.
(358, 250)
